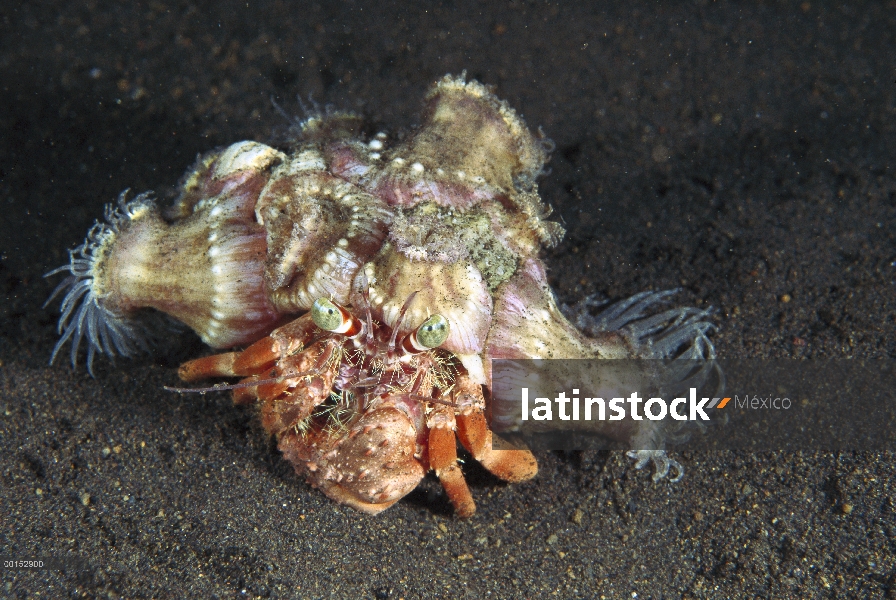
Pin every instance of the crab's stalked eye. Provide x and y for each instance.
(327, 315)
(432, 333)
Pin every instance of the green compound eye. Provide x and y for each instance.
(326, 315)
(433, 332)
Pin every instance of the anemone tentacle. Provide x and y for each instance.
(82, 312)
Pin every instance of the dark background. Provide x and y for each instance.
(741, 151)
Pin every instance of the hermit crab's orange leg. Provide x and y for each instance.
(217, 365)
(256, 358)
(261, 355)
(473, 432)
(443, 459)
(254, 361)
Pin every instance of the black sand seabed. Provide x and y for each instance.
(741, 152)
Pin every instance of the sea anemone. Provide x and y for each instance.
(202, 262)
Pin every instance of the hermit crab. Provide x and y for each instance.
(371, 283)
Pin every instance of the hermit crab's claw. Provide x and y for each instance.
(369, 468)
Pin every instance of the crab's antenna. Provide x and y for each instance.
(397, 324)
(238, 386)
(365, 297)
